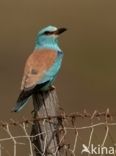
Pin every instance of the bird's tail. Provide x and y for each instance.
(25, 95)
(22, 100)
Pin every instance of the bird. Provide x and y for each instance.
(42, 66)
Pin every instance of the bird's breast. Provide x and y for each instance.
(57, 64)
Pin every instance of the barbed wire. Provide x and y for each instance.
(96, 114)
(79, 130)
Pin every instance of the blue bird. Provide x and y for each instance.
(42, 66)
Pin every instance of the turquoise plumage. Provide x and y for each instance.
(42, 65)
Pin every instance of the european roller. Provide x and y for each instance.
(42, 66)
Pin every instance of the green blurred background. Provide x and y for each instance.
(88, 76)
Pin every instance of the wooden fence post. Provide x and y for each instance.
(46, 142)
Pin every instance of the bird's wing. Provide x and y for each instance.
(36, 66)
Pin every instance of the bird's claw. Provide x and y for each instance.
(52, 87)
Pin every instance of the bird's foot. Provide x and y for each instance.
(52, 87)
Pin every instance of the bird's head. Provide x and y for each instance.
(48, 37)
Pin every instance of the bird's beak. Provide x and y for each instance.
(59, 31)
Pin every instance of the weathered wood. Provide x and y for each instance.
(47, 131)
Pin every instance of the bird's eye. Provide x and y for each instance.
(47, 33)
